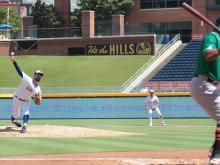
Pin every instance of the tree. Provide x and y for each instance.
(46, 16)
(103, 9)
(14, 19)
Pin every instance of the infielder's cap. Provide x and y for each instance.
(151, 91)
(217, 21)
(39, 72)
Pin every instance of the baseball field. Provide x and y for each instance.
(110, 141)
(98, 141)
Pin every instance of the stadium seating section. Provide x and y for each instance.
(181, 67)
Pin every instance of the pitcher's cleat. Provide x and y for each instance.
(15, 122)
(24, 129)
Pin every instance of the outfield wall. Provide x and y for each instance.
(107, 107)
(103, 45)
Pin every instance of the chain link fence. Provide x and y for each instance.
(104, 28)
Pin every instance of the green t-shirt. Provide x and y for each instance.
(210, 69)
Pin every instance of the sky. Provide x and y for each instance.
(73, 2)
(47, 1)
(33, 1)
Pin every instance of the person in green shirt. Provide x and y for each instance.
(204, 86)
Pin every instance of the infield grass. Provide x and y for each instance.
(73, 71)
(179, 134)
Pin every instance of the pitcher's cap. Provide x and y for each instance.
(39, 72)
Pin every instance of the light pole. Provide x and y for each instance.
(8, 13)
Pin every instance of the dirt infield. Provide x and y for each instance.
(116, 158)
(59, 131)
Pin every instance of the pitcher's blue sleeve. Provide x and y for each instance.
(18, 69)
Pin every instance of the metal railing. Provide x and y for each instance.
(159, 41)
(35, 32)
(149, 62)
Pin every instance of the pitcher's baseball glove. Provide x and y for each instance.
(37, 99)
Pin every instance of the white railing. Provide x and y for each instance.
(149, 62)
(159, 41)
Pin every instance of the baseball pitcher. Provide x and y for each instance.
(28, 88)
(152, 104)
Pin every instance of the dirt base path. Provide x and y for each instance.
(117, 158)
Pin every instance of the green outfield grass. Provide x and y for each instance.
(77, 71)
(179, 134)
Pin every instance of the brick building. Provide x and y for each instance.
(155, 16)
(163, 16)
(147, 17)
(167, 17)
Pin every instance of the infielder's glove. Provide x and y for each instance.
(154, 108)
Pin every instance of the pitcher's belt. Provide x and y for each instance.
(19, 98)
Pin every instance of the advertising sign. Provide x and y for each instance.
(120, 49)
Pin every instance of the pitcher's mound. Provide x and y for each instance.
(59, 131)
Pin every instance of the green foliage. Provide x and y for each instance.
(45, 16)
(14, 19)
(75, 18)
(103, 9)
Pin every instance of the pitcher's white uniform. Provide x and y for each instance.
(151, 104)
(28, 88)
(23, 94)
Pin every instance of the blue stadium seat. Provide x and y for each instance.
(181, 67)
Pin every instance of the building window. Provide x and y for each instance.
(171, 28)
(146, 4)
(172, 3)
(153, 4)
(159, 4)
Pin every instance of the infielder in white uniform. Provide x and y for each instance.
(28, 88)
(151, 104)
